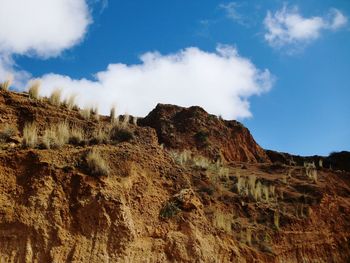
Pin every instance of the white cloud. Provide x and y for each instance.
(42, 27)
(288, 27)
(221, 82)
(231, 10)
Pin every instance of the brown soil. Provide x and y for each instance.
(151, 208)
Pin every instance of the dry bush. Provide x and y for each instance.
(96, 164)
(7, 132)
(6, 84)
(55, 97)
(34, 89)
(30, 135)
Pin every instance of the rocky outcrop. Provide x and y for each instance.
(196, 130)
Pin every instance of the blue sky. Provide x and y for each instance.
(304, 110)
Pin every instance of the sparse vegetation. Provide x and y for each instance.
(34, 89)
(76, 136)
(112, 115)
(56, 136)
(223, 221)
(85, 113)
(126, 120)
(100, 136)
(55, 97)
(120, 134)
(311, 171)
(94, 113)
(30, 135)
(6, 84)
(69, 102)
(96, 165)
(7, 132)
(255, 189)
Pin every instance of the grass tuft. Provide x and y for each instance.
(7, 132)
(30, 135)
(6, 84)
(34, 89)
(55, 97)
(96, 164)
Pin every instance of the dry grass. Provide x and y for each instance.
(120, 134)
(126, 120)
(223, 221)
(76, 136)
(56, 136)
(310, 171)
(134, 120)
(94, 113)
(7, 132)
(112, 115)
(69, 102)
(85, 113)
(96, 164)
(100, 136)
(55, 97)
(30, 135)
(255, 189)
(34, 89)
(6, 84)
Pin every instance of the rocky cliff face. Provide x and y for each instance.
(196, 130)
(157, 204)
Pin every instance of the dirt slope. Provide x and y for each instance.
(157, 205)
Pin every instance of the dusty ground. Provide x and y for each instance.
(157, 206)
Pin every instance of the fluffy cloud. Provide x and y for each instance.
(221, 82)
(288, 27)
(41, 27)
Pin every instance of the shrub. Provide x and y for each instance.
(6, 84)
(55, 98)
(34, 89)
(30, 135)
(7, 132)
(120, 134)
(96, 164)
